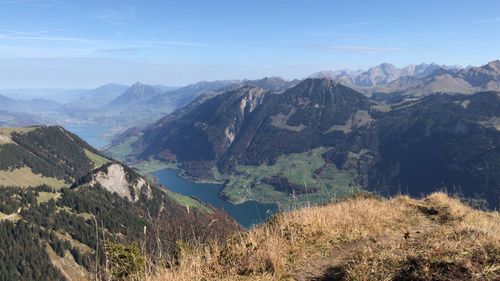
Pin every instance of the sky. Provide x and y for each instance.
(83, 44)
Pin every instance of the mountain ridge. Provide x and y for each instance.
(57, 191)
(229, 136)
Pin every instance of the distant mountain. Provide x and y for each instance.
(180, 97)
(271, 83)
(487, 77)
(142, 104)
(382, 74)
(36, 105)
(325, 138)
(63, 204)
(96, 98)
(379, 75)
(346, 76)
(7, 103)
(41, 105)
(441, 80)
(135, 94)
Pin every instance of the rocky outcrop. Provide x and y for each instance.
(115, 179)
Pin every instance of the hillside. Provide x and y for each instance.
(321, 139)
(135, 94)
(360, 238)
(62, 204)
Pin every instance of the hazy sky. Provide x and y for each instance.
(64, 44)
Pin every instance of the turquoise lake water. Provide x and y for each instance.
(247, 214)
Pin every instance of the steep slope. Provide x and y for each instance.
(441, 141)
(482, 76)
(201, 91)
(200, 135)
(211, 132)
(321, 139)
(236, 132)
(66, 203)
(364, 238)
(135, 94)
(35, 149)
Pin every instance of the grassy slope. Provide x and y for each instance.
(96, 159)
(44, 196)
(298, 168)
(436, 238)
(24, 177)
(146, 168)
(68, 267)
(121, 150)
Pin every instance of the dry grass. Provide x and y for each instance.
(6, 133)
(12, 217)
(97, 160)
(24, 177)
(44, 196)
(67, 266)
(436, 238)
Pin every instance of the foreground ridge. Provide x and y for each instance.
(364, 238)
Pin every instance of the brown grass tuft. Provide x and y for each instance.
(436, 238)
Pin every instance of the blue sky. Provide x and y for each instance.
(71, 44)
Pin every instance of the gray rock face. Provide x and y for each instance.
(382, 74)
(116, 180)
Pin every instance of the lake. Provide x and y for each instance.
(247, 214)
(93, 134)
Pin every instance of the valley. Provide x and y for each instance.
(311, 140)
(320, 140)
(171, 174)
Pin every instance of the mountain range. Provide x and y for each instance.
(338, 140)
(337, 144)
(27, 106)
(95, 98)
(120, 107)
(382, 74)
